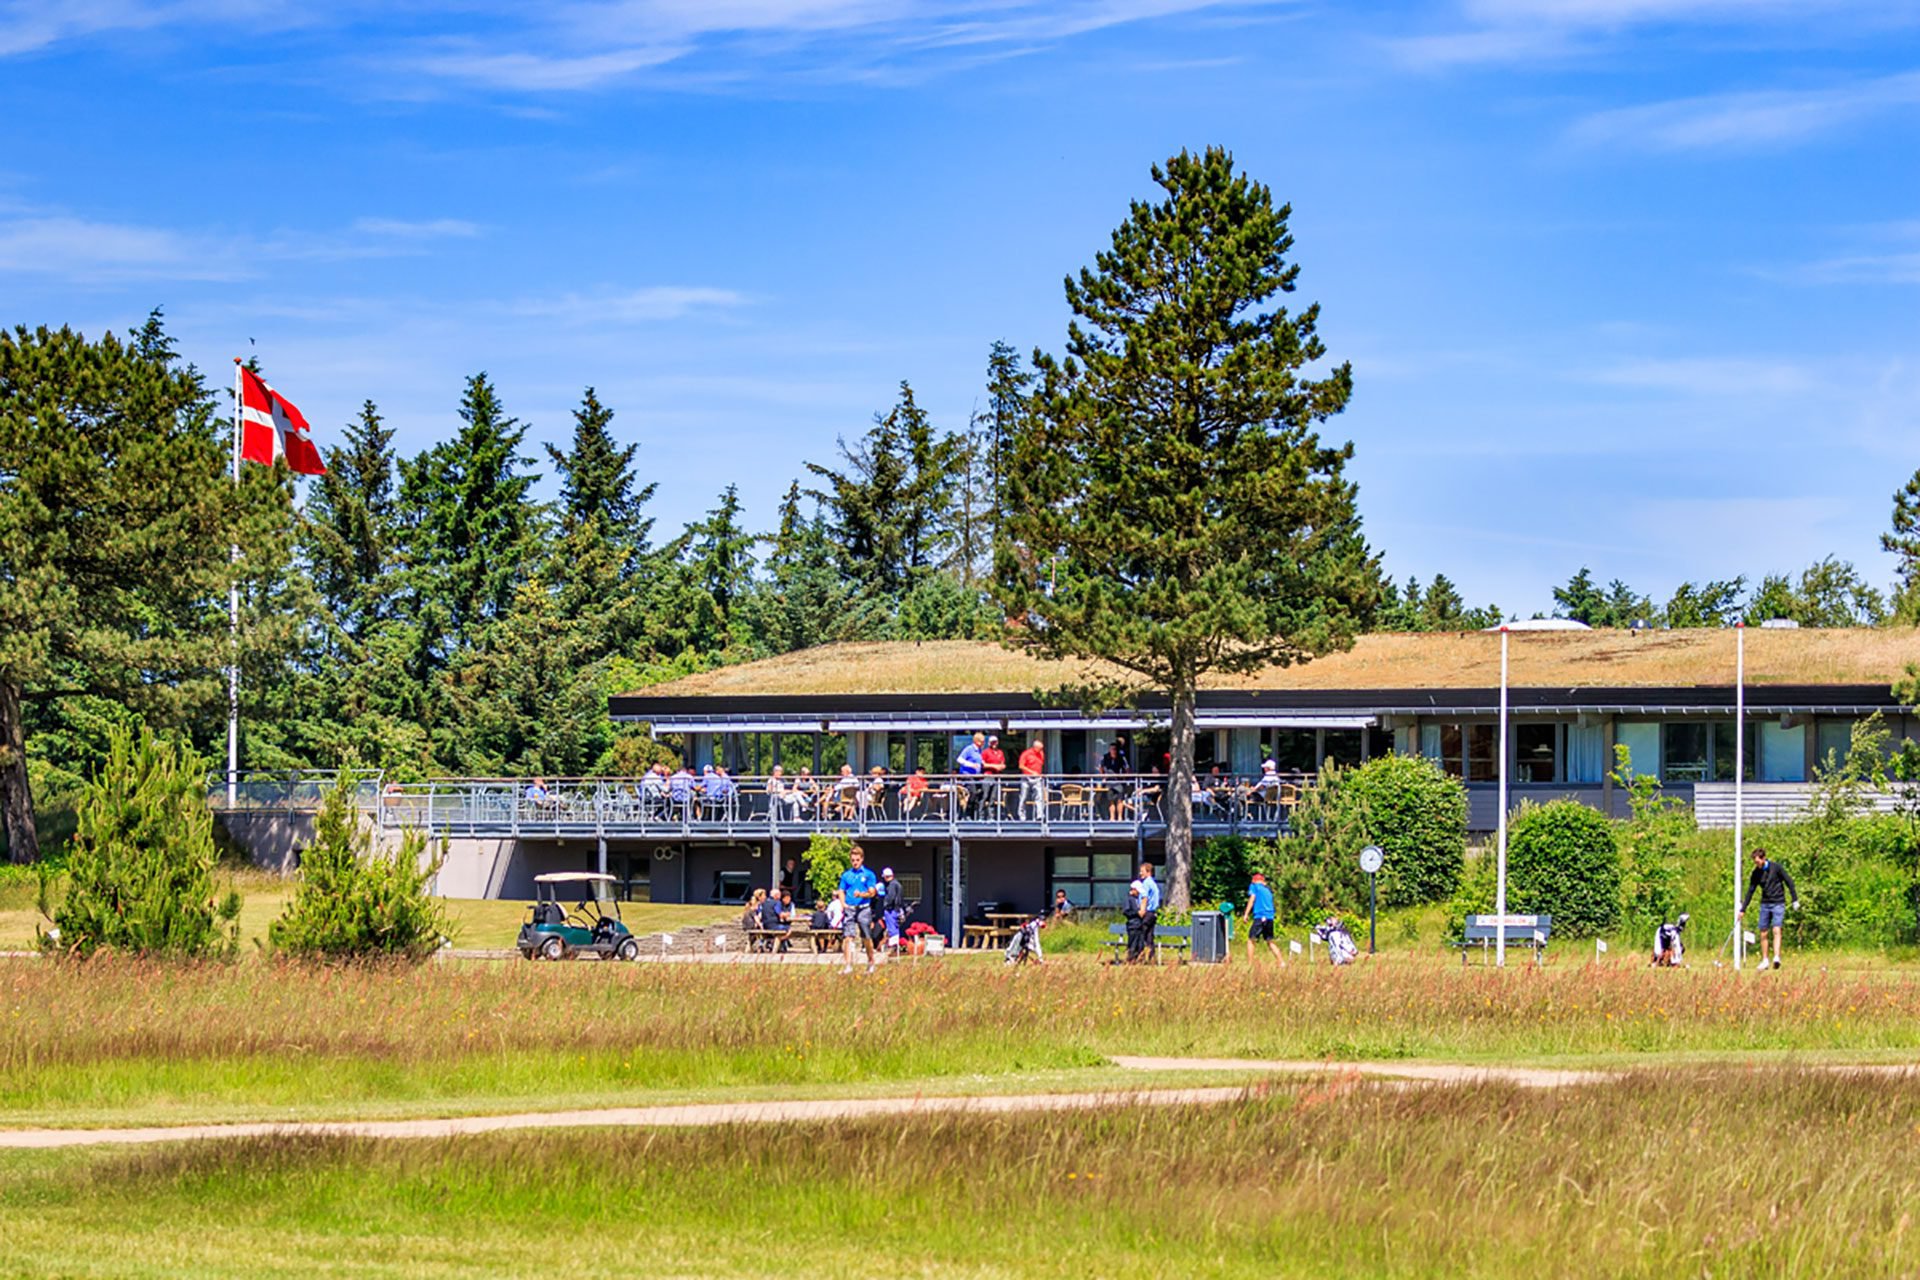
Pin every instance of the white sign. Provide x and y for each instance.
(1293, 947)
(1525, 922)
(1370, 858)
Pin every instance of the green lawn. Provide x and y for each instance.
(1712, 1173)
(114, 1041)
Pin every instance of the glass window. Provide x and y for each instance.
(1343, 746)
(1108, 894)
(1110, 866)
(796, 751)
(1073, 751)
(896, 760)
(1642, 741)
(833, 753)
(1833, 743)
(1452, 741)
(1783, 752)
(1379, 742)
(1071, 864)
(1294, 750)
(1684, 753)
(1535, 752)
(1481, 739)
(1723, 752)
(1079, 892)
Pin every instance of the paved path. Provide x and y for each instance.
(1431, 1073)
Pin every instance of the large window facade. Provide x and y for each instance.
(1096, 880)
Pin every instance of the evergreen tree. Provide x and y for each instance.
(116, 514)
(1716, 604)
(597, 482)
(719, 559)
(1171, 508)
(1829, 593)
(1903, 541)
(351, 528)
(1580, 600)
(474, 524)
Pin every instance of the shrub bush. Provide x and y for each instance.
(353, 902)
(140, 867)
(828, 854)
(1563, 861)
(1404, 804)
(1221, 867)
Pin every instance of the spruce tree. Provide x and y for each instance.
(117, 510)
(1903, 541)
(1171, 508)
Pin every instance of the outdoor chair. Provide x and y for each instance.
(1074, 796)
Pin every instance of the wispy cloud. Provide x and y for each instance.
(1709, 377)
(655, 302)
(1748, 120)
(1484, 32)
(90, 251)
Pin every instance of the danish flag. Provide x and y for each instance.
(270, 428)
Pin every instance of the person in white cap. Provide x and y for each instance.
(893, 906)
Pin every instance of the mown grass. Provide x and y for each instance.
(114, 1041)
(1722, 1173)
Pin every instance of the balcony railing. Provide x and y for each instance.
(758, 806)
(295, 790)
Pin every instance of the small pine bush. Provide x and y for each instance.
(140, 867)
(355, 903)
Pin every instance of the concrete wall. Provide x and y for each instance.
(271, 837)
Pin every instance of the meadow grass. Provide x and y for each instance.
(119, 1041)
(1663, 1173)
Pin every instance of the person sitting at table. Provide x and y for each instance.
(806, 788)
(913, 792)
(1203, 796)
(680, 786)
(720, 791)
(837, 911)
(776, 916)
(653, 791)
(750, 913)
(822, 920)
(783, 794)
(873, 796)
(846, 793)
(1062, 909)
(538, 798)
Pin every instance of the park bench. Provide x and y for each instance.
(798, 938)
(1169, 937)
(1521, 931)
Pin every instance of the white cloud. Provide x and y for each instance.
(635, 306)
(56, 243)
(1747, 120)
(1710, 377)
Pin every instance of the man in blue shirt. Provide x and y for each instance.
(859, 886)
(1259, 917)
(971, 764)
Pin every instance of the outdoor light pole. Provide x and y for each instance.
(1739, 779)
(1500, 885)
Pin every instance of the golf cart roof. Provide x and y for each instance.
(569, 877)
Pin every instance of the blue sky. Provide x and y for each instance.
(1633, 284)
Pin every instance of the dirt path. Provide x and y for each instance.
(688, 1115)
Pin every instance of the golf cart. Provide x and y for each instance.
(592, 927)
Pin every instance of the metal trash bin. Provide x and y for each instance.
(1209, 937)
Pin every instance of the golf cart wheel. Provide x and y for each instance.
(553, 949)
(629, 949)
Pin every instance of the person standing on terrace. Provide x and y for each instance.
(971, 764)
(994, 761)
(1033, 779)
(1113, 766)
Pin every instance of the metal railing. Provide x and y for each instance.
(757, 806)
(291, 790)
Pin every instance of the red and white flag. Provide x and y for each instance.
(270, 427)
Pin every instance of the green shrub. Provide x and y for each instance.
(1650, 843)
(1404, 804)
(140, 867)
(1855, 876)
(1221, 870)
(1563, 861)
(353, 902)
(828, 854)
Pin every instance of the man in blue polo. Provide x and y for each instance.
(1141, 944)
(971, 765)
(1259, 917)
(859, 887)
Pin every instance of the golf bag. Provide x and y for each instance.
(1669, 946)
(1025, 945)
(1341, 948)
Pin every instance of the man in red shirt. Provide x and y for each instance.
(1033, 782)
(994, 761)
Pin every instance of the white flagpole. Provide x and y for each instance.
(1739, 774)
(233, 621)
(1500, 889)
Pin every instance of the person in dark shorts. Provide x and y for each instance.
(1259, 917)
(1771, 881)
(860, 886)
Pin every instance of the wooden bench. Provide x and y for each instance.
(1171, 937)
(1520, 931)
(984, 937)
(798, 938)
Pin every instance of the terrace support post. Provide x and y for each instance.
(773, 856)
(601, 841)
(955, 912)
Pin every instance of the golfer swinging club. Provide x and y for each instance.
(1772, 882)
